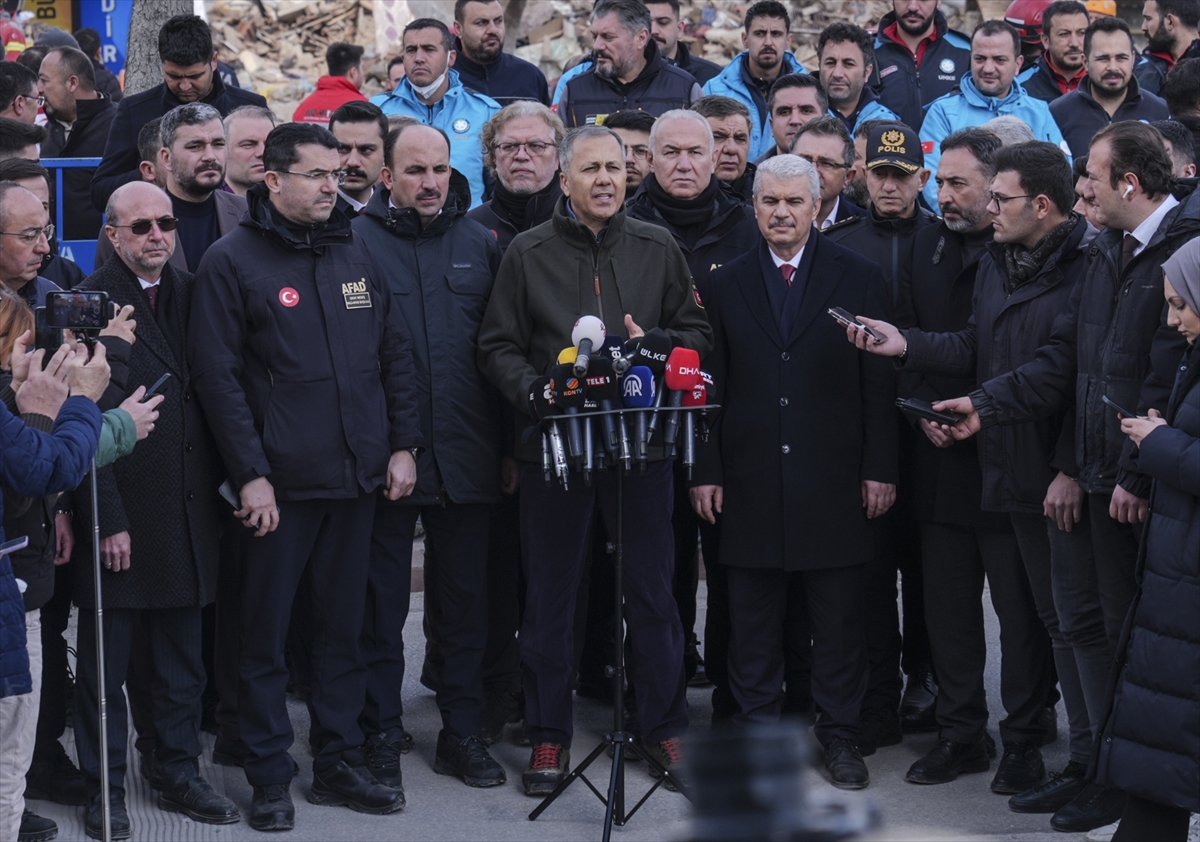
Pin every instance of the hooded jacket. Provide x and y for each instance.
(734, 82)
(89, 134)
(120, 163)
(555, 273)
(1151, 71)
(661, 86)
(331, 94)
(967, 107)
(907, 84)
(440, 277)
(299, 358)
(460, 113)
(1080, 116)
(869, 108)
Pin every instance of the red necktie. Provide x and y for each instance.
(152, 294)
(787, 270)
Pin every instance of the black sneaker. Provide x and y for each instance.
(878, 727)
(272, 808)
(918, 706)
(1096, 806)
(53, 777)
(353, 786)
(1056, 793)
(1021, 769)
(383, 755)
(35, 828)
(199, 801)
(548, 765)
(93, 823)
(948, 760)
(845, 765)
(468, 760)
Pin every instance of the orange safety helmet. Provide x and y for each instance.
(1102, 7)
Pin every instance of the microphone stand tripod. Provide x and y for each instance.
(620, 740)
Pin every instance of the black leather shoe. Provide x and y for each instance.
(918, 706)
(947, 761)
(1056, 793)
(468, 760)
(500, 708)
(93, 823)
(229, 752)
(34, 828)
(1095, 807)
(272, 808)
(383, 755)
(1021, 769)
(878, 728)
(148, 766)
(199, 801)
(548, 765)
(845, 765)
(1048, 722)
(53, 777)
(354, 787)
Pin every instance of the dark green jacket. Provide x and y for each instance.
(555, 273)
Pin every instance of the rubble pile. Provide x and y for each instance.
(278, 46)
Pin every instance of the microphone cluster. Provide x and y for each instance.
(600, 372)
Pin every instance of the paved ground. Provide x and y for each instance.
(441, 808)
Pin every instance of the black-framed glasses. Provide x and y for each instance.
(826, 164)
(536, 148)
(31, 236)
(319, 175)
(141, 227)
(1000, 200)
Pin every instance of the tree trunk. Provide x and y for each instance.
(143, 70)
(513, 11)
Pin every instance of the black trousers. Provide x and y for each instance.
(176, 685)
(956, 560)
(1149, 821)
(505, 600)
(1115, 549)
(758, 602)
(227, 634)
(327, 544)
(456, 562)
(554, 533)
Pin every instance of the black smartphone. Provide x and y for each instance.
(230, 495)
(1118, 408)
(77, 310)
(924, 409)
(847, 318)
(159, 386)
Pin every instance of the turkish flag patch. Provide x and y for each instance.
(927, 147)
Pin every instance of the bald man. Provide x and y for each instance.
(158, 529)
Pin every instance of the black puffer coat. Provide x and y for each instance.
(1150, 741)
(441, 277)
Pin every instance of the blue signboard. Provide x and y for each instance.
(111, 18)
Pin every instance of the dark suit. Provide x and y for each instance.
(805, 419)
(229, 209)
(164, 496)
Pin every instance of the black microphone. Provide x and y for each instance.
(541, 405)
(602, 388)
(568, 392)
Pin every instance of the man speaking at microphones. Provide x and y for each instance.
(589, 259)
(803, 452)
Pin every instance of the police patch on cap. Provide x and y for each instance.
(894, 145)
(461, 126)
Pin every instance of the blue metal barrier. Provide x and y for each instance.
(83, 252)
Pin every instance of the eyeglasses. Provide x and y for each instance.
(826, 164)
(319, 175)
(638, 151)
(38, 98)
(536, 148)
(1000, 200)
(31, 236)
(141, 228)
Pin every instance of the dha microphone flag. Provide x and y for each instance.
(587, 336)
(682, 374)
(637, 390)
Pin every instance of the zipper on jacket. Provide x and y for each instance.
(596, 282)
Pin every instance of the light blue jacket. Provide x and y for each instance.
(967, 108)
(461, 114)
(874, 110)
(729, 82)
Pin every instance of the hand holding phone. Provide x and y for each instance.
(924, 409)
(847, 318)
(1118, 407)
(158, 387)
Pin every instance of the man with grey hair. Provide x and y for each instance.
(794, 516)
(520, 148)
(634, 277)
(193, 156)
(1011, 130)
(629, 73)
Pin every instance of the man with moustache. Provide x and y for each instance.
(730, 123)
(360, 129)
(1110, 93)
(751, 75)
(246, 130)
(1061, 66)
(846, 61)
(1170, 27)
(665, 29)
(193, 157)
(481, 61)
(918, 58)
(633, 127)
